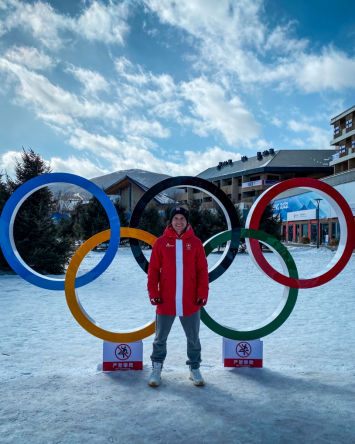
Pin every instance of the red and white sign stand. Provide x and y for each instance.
(242, 353)
(121, 357)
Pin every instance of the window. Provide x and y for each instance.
(196, 191)
(349, 123)
(353, 143)
(240, 180)
(336, 130)
(229, 182)
(342, 149)
(207, 199)
(304, 230)
(335, 230)
(240, 196)
(271, 177)
(252, 179)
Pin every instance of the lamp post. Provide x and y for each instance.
(318, 200)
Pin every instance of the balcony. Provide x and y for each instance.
(227, 189)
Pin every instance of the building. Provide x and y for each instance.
(244, 180)
(298, 207)
(130, 185)
(343, 141)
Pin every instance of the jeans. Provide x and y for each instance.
(191, 326)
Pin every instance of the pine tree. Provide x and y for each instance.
(270, 224)
(122, 214)
(37, 238)
(151, 221)
(90, 219)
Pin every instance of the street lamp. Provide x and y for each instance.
(318, 200)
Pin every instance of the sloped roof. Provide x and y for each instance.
(160, 198)
(282, 160)
(145, 179)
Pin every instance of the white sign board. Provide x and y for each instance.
(242, 353)
(254, 183)
(301, 215)
(127, 356)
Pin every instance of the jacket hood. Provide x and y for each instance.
(170, 232)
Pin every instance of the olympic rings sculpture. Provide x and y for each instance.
(231, 237)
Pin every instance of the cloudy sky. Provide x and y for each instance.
(170, 86)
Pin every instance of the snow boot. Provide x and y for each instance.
(196, 377)
(154, 379)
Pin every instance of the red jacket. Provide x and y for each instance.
(178, 273)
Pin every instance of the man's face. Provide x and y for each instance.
(179, 223)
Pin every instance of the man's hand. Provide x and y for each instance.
(201, 302)
(156, 301)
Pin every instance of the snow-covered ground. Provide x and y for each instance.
(52, 389)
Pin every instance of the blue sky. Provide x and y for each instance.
(170, 87)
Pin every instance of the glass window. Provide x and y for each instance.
(305, 230)
(335, 230)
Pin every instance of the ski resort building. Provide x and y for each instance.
(298, 207)
(343, 141)
(244, 180)
(128, 186)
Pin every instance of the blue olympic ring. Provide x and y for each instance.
(7, 220)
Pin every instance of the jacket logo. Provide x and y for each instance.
(188, 246)
(169, 245)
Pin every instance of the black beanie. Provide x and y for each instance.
(179, 210)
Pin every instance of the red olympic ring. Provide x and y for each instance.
(347, 230)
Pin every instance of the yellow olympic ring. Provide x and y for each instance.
(72, 298)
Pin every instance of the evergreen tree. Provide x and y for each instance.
(36, 236)
(122, 214)
(270, 224)
(151, 221)
(90, 219)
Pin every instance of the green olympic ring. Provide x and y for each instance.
(287, 303)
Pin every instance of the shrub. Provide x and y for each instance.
(305, 240)
(334, 242)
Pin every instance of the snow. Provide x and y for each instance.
(52, 389)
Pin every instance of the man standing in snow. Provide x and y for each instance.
(178, 286)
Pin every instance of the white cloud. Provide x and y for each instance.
(167, 110)
(229, 117)
(233, 38)
(297, 142)
(80, 166)
(331, 70)
(104, 23)
(30, 57)
(47, 99)
(277, 122)
(91, 80)
(133, 153)
(318, 138)
(98, 22)
(8, 161)
(145, 128)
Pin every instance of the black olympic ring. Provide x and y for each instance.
(209, 188)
